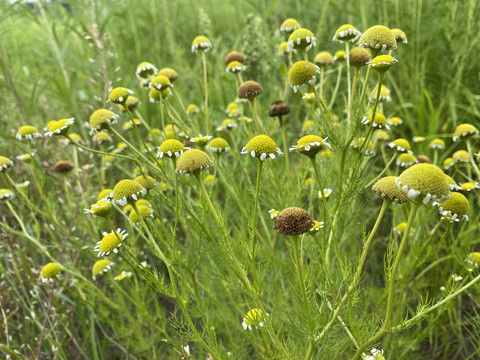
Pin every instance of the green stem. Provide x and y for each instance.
(349, 88)
(285, 146)
(337, 86)
(253, 106)
(254, 217)
(472, 160)
(205, 85)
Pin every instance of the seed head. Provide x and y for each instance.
(359, 56)
(293, 221)
(278, 108)
(234, 56)
(386, 188)
(63, 166)
(192, 162)
(378, 37)
(249, 89)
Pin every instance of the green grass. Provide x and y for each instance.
(200, 290)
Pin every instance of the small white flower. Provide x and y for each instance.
(456, 277)
(325, 193)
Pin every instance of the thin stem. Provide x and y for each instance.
(205, 86)
(253, 106)
(349, 88)
(254, 217)
(472, 160)
(337, 86)
(285, 146)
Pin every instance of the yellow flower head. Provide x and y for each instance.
(28, 132)
(102, 118)
(310, 145)
(464, 131)
(401, 145)
(201, 43)
(50, 271)
(382, 63)
(101, 266)
(104, 194)
(358, 144)
(6, 194)
(171, 148)
(145, 212)
(339, 56)
(406, 160)
(425, 181)
(110, 242)
(100, 208)
(169, 73)
(127, 190)
(380, 121)
(289, 26)
(386, 188)
(302, 73)
(253, 319)
(301, 39)
(192, 162)
(461, 156)
(469, 186)
(119, 95)
(323, 58)
(261, 147)
(146, 181)
(379, 38)
(455, 208)
(145, 70)
(283, 48)
(5, 163)
(437, 143)
(346, 32)
(400, 36)
(161, 82)
(235, 66)
(448, 163)
(218, 145)
(60, 127)
(192, 109)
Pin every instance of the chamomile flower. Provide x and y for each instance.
(473, 260)
(375, 355)
(235, 66)
(273, 213)
(384, 93)
(146, 214)
(145, 70)
(101, 119)
(289, 26)
(310, 97)
(233, 110)
(437, 144)
(406, 160)
(359, 57)
(50, 271)
(201, 140)
(146, 181)
(464, 131)
(387, 189)
(110, 242)
(395, 121)
(302, 39)
(417, 139)
(379, 38)
(346, 32)
(171, 148)
(192, 109)
(401, 145)
(218, 145)
(455, 208)
(5, 163)
(308, 125)
(23, 185)
(456, 277)
(382, 63)
(170, 73)
(380, 121)
(161, 82)
(192, 162)
(339, 56)
(100, 267)
(261, 147)
(100, 208)
(359, 143)
(283, 48)
(302, 73)
(6, 194)
(325, 193)
(127, 190)
(469, 186)
(28, 132)
(400, 228)
(201, 43)
(310, 145)
(119, 95)
(323, 58)
(105, 194)
(400, 36)
(254, 319)
(316, 226)
(448, 163)
(424, 181)
(124, 275)
(228, 124)
(60, 127)
(461, 156)
(234, 56)
(131, 103)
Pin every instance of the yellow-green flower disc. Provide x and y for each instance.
(406, 160)
(235, 66)
(464, 131)
(119, 95)
(382, 63)
(141, 202)
(448, 163)
(169, 73)
(283, 48)
(469, 186)
(5, 163)
(28, 132)
(145, 212)
(131, 103)
(359, 56)
(386, 188)
(400, 36)
(60, 127)
(147, 181)
(452, 183)
(161, 82)
(401, 227)
(50, 271)
(101, 266)
(310, 145)
(101, 208)
(249, 89)
(380, 121)
(104, 194)
(474, 258)
(6, 194)
(461, 156)
(401, 145)
(289, 26)
(346, 32)
(426, 181)
(358, 144)
(456, 207)
(193, 161)
(260, 147)
(102, 137)
(126, 190)
(254, 318)
(384, 94)
(302, 39)
(308, 125)
(379, 38)
(192, 109)
(228, 124)
(302, 73)
(382, 135)
(201, 43)
(234, 56)
(293, 221)
(76, 137)
(218, 145)
(339, 56)
(323, 58)
(437, 144)
(110, 242)
(145, 70)
(101, 118)
(170, 148)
